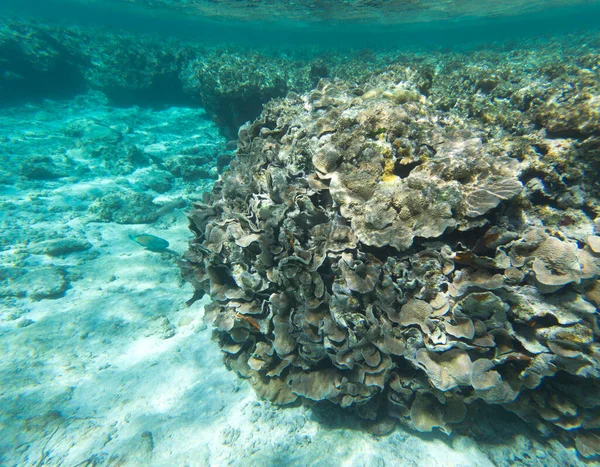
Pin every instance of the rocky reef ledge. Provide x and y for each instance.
(410, 248)
(553, 85)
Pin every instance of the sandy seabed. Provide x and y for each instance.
(102, 361)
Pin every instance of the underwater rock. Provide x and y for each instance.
(367, 249)
(161, 327)
(127, 207)
(42, 167)
(160, 181)
(93, 134)
(190, 168)
(44, 282)
(59, 246)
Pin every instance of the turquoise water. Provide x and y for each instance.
(325, 233)
(519, 22)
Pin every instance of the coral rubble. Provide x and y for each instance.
(370, 248)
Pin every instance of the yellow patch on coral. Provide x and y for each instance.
(389, 178)
(388, 171)
(371, 94)
(388, 161)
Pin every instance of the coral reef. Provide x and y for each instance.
(554, 88)
(235, 85)
(412, 244)
(370, 248)
(45, 60)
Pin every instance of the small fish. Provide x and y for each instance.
(150, 242)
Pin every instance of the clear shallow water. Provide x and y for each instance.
(117, 119)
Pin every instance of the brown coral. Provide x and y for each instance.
(365, 249)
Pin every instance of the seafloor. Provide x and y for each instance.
(106, 136)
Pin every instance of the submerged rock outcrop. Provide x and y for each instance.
(555, 85)
(369, 249)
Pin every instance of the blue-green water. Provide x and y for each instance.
(262, 233)
(468, 28)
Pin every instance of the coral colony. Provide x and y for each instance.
(369, 249)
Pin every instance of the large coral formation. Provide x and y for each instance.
(371, 250)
